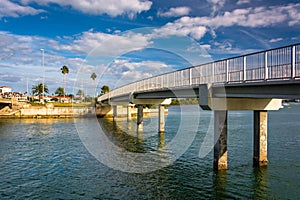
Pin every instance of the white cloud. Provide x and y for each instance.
(197, 27)
(99, 7)
(126, 71)
(240, 2)
(185, 26)
(256, 17)
(275, 40)
(175, 12)
(106, 44)
(216, 5)
(25, 62)
(11, 9)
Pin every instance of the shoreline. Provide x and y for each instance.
(43, 112)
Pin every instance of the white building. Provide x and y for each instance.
(4, 89)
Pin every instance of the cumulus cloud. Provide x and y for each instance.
(216, 5)
(25, 62)
(275, 40)
(240, 2)
(184, 26)
(12, 9)
(106, 44)
(197, 27)
(126, 71)
(99, 7)
(175, 12)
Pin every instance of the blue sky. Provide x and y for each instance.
(126, 40)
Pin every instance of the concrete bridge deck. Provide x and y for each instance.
(257, 81)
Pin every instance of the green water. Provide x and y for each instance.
(45, 159)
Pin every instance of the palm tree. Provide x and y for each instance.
(64, 70)
(104, 89)
(60, 91)
(38, 89)
(93, 76)
(81, 94)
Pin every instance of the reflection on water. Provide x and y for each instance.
(260, 183)
(219, 184)
(45, 159)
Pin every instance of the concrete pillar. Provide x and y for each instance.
(128, 113)
(161, 118)
(220, 138)
(139, 121)
(115, 111)
(161, 141)
(260, 154)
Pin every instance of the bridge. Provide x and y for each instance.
(257, 81)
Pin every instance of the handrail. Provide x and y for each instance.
(272, 64)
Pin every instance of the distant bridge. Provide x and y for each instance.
(257, 81)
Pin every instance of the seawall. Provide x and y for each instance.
(54, 112)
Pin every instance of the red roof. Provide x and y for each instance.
(59, 97)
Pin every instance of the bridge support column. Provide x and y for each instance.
(115, 111)
(220, 135)
(139, 121)
(260, 139)
(161, 118)
(128, 113)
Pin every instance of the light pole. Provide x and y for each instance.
(42, 50)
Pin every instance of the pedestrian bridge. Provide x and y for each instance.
(257, 81)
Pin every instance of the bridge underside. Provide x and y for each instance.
(256, 90)
(257, 96)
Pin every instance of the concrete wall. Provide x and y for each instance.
(54, 112)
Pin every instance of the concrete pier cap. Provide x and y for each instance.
(151, 101)
(209, 102)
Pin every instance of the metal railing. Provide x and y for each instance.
(274, 64)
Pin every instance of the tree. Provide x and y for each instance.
(80, 93)
(93, 76)
(104, 89)
(60, 91)
(38, 89)
(64, 70)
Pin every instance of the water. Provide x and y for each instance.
(45, 158)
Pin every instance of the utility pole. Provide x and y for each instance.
(43, 82)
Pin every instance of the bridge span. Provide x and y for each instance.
(257, 81)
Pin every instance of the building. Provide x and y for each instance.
(4, 89)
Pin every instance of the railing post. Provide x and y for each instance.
(190, 76)
(227, 72)
(213, 72)
(244, 68)
(293, 59)
(174, 79)
(266, 66)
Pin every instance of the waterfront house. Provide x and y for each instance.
(4, 89)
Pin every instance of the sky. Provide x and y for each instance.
(127, 40)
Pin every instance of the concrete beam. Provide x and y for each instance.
(281, 89)
(209, 102)
(164, 93)
(129, 113)
(139, 121)
(115, 111)
(151, 101)
(161, 118)
(260, 153)
(244, 104)
(220, 138)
